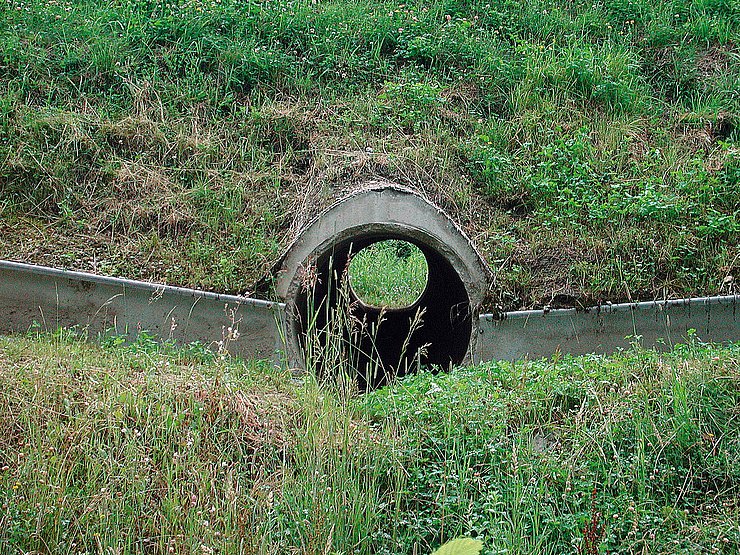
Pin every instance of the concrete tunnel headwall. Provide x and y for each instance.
(311, 274)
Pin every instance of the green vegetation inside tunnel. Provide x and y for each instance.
(389, 274)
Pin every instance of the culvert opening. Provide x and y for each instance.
(327, 323)
(390, 274)
(380, 342)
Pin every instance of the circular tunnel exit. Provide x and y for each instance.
(327, 321)
(389, 274)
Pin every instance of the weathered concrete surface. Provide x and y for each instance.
(605, 329)
(33, 296)
(457, 277)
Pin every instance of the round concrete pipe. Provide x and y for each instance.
(440, 327)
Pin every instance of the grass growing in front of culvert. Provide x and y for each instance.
(389, 274)
(134, 450)
(589, 149)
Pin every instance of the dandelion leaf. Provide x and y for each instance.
(460, 546)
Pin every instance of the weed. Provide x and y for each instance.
(340, 338)
(593, 531)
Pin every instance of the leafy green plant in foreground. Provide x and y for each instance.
(519, 451)
(460, 546)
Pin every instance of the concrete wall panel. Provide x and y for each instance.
(604, 329)
(34, 297)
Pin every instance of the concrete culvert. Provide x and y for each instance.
(325, 318)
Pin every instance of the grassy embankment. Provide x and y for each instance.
(589, 149)
(123, 450)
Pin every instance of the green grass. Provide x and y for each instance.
(390, 274)
(590, 150)
(140, 450)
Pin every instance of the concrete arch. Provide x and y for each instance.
(317, 261)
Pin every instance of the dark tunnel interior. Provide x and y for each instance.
(380, 352)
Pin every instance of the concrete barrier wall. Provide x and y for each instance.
(34, 297)
(47, 298)
(605, 329)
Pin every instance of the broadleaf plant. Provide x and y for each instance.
(460, 546)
